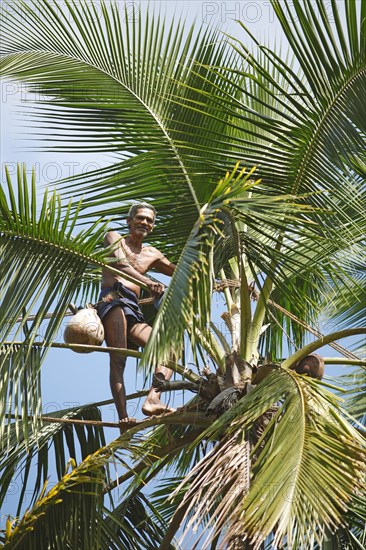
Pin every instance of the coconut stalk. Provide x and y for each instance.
(313, 346)
(344, 361)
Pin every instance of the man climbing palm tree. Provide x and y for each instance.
(119, 309)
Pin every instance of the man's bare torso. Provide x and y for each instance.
(141, 261)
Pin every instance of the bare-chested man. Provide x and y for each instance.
(122, 318)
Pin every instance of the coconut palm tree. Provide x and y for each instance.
(257, 168)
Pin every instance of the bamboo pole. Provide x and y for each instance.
(184, 371)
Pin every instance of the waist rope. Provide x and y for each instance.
(114, 294)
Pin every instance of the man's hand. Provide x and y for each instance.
(156, 289)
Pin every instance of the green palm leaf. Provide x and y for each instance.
(41, 258)
(121, 86)
(71, 514)
(135, 524)
(310, 483)
(74, 503)
(22, 454)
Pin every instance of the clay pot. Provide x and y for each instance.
(86, 328)
(312, 365)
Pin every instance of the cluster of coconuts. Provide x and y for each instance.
(86, 328)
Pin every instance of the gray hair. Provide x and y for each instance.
(135, 207)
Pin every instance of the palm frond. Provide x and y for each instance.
(122, 86)
(68, 515)
(355, 386)
(135, 523)
(67, 442)
(71, 514)
(41, 258)
(306, 429)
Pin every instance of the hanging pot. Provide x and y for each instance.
(85, 328)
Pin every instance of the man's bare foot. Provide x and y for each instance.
(152, 408)
(125, 423)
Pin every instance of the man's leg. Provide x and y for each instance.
(115, 328)
(139, 335)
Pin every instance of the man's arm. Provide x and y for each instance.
(164, 266)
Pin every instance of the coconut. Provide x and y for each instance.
(86, 328)
(312, 365)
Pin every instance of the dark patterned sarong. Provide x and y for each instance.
(123, 297)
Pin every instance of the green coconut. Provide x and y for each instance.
(85, 328)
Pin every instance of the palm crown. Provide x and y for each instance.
(261, 453)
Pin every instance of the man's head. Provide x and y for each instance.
(141, 218)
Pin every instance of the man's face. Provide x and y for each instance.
(142, 223)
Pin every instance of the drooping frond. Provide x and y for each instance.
(41, 258)
(112, 83)
(64, 440)
(67, 515)
(308, 463)
(135, 523)
(72, 514)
